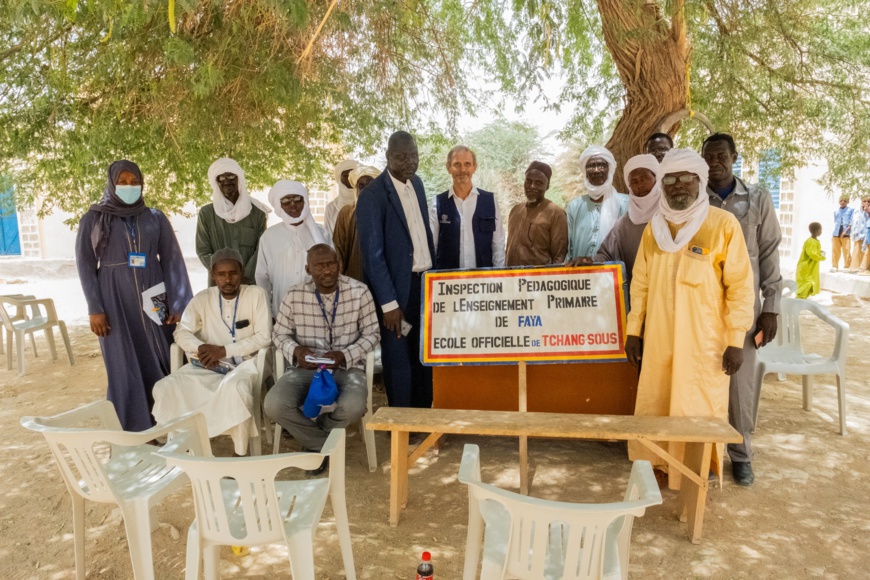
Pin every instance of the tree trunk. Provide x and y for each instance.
(651, 54)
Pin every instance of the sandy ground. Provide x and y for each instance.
(805, 517)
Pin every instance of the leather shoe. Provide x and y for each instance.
(742, 471)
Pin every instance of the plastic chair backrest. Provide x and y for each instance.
(579, 531)
(256, 518)
(789, 325)
(75, 448)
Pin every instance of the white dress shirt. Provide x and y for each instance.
(466, 208)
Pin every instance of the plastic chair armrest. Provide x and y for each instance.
(194, 421)
(176, 357)
(104, 411)
(332, 443)
(469, 469)
(35, 303)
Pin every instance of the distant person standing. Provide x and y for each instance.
(658, 144)
(282, 255)
(864, 268)
(345, 236)
(840, 242)
(346, 194)
(123, 248)
(537, 228)
(808, 282)
(859, 232)
(621, 244)
(233, 220)
(592, 215)
(466, 223)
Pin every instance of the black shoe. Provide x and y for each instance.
(742, 471)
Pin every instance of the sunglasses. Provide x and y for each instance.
(688, 178)
(227, 178)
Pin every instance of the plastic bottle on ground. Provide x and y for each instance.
(425, 570)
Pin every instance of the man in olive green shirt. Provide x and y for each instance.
(234, 220)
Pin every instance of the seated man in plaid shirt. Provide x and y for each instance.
(332, 317)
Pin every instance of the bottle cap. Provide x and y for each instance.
(427, 556)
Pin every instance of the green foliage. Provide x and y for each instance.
(85, 82)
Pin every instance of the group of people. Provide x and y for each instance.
(851, 236)
(704, 282)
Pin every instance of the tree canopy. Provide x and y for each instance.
(288, 86)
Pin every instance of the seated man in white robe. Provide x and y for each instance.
(221, 331)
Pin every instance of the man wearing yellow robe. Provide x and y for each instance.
(692, 300)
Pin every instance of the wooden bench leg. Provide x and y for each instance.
(398, 474)
(694, 497)
(524, 465)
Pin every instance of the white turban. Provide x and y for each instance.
(641, 209)
(361, 170)
(604, 192)
(676, 161)
(282, 189)
(222, 207)
(346, 195)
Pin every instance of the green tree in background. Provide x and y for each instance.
(288, 86)
(85, 82)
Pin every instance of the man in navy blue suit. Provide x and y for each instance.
(396, 246)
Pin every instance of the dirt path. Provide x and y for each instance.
(806, 516)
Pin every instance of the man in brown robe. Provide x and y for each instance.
(344, 236)
(538, 228)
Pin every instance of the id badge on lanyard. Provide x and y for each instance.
(136, 260)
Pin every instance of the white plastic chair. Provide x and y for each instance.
(176, 360)
(37, 321)
(785, 354)
(239, 503)
(108, 465)
(20, 314)
(535, 539)
(373, 367)
(789, 289)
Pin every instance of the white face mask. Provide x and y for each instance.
(129, 194)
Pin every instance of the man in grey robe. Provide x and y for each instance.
(753, 208)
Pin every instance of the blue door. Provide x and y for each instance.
(10, 245)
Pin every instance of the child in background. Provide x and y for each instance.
(808, 282)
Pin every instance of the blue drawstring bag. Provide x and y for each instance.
(322, 392)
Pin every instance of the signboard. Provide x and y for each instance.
(494, 316)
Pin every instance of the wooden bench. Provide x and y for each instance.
(699, 434)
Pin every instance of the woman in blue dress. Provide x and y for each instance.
(123, 248)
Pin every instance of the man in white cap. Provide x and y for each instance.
(346, 194)
(221, 329)
(622, 242)
(233, 220)
(592, 215)
(282, 257)
(344, 236)
(692, 299)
